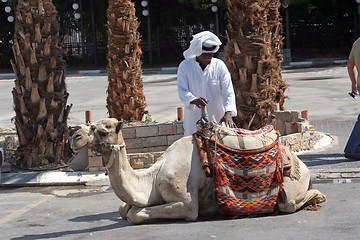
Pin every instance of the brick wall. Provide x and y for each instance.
(137, 160)
(145, 144)
(289, 122)
(152, 138)
(304, 141)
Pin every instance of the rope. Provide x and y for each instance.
(215, 138)
(113, 154)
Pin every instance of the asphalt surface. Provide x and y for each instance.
(91, 213)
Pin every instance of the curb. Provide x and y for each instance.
(335, 181)
(312, 64)
(291, 65)
(160, 70)
(336, 173)
(335, 176)
(53, 179)
(9, 76)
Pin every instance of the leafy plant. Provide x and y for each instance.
(148, 118)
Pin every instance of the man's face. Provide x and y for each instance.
(205, 58)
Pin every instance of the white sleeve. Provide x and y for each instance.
(183, 86)
(227, 89)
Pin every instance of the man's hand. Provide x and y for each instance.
(227, 119)
(351, 72)
(200, 102)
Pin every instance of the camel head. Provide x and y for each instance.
(99, 137)
(81, 138)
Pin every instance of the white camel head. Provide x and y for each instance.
(99, 136)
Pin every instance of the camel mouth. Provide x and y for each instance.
(80, 138)
(77, 148)
(78, 143)
(77, 137)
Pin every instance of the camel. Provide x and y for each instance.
(175, 187)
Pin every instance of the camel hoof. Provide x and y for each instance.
(137, 216)
(193, 216)
(319, 198)
(123, 210)
(288, 207)
(312, 205)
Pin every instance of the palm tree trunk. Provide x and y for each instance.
(254, 59)
(40, 92)
(125, 91)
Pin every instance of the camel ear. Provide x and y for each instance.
(119, 126)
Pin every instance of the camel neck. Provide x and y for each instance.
(130, 186)
(110, 155)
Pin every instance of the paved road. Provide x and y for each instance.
(88, 92)
(91, 213)
(321, 91)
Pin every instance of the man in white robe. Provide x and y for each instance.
(204, 80)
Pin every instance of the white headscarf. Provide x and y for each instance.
(205, 38)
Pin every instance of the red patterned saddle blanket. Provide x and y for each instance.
(247, 167)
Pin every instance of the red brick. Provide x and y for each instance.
(94, 169)
(154, 141)
(180, 129)
(95, 161)
(155, 149)
(133, 143)
(172, 138)
(305, 114)
(158, 154)
(91, 153)
(295, 115)
(147, 131)
(135, 150)
(129, 133)
(137, 163)
(147, 159)
(167, 129)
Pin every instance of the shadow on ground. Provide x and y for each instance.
(111, 216)
(312, 160)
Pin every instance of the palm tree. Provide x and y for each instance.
(254, 59)
(125, 91)
(40, 92)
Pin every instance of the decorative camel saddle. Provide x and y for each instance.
(247, 167)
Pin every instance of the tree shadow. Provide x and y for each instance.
(312, 160)
(111, 216)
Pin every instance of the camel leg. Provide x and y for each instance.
(123, 210)
(174, 210)
(319, 198)
(310, 196)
